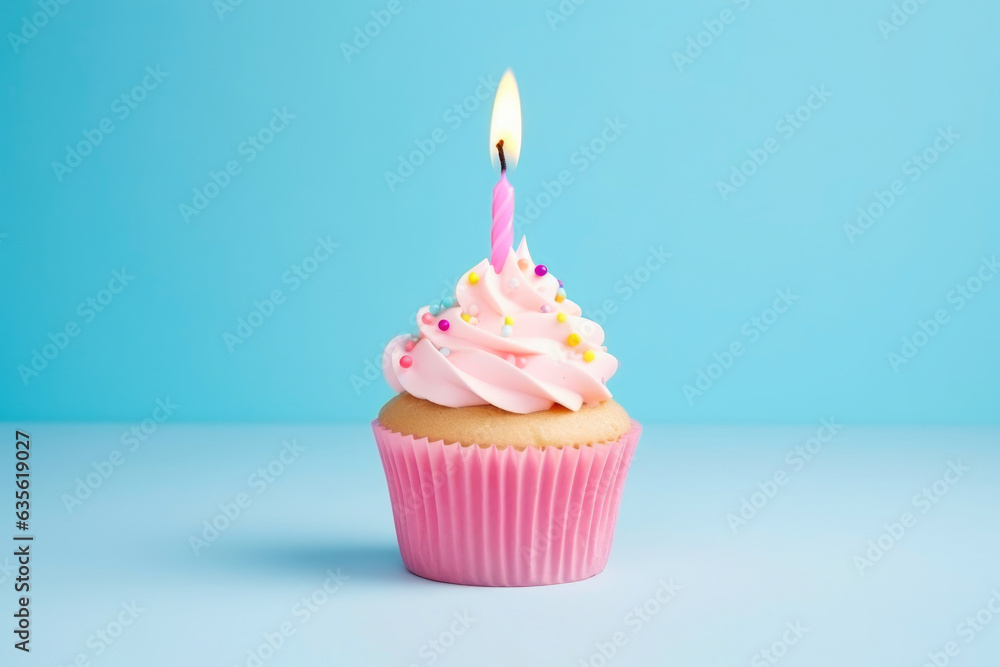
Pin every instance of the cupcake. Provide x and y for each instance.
(504, 453)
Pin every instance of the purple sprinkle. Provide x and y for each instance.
(443, 325)
(546, 309)
(560, 283)
(541, 270)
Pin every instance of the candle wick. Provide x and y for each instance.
(503, 162)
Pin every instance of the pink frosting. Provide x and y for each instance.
(472, 362)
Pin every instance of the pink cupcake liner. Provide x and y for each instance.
(485, 516)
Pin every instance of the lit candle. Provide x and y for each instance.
(505, 137)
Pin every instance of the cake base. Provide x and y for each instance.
(486, 425)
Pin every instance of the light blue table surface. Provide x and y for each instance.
(735, 594)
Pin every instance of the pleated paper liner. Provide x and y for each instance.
(485, 516)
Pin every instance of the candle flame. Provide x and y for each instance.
(506, 123)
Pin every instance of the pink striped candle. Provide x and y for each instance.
(505, 134)
(502, 231)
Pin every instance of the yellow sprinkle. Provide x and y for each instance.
(473, 277)
(573, 339)
(508, 321)
(589, 355)
(466, 317)
(560, 298)
(561, 317)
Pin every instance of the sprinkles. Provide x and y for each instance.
(589, 355)
(406, 361)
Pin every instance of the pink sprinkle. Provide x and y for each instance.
(510, 358)
(405, 361)
(409, 345)
(443, 325)
(521, 362)
(427, 318)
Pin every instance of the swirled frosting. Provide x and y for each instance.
(509, 339)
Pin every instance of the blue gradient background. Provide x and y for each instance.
(655, 185)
